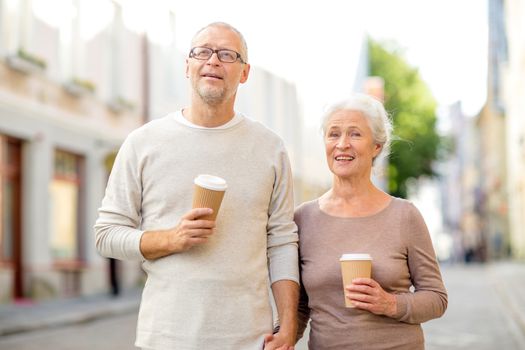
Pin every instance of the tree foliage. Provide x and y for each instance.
(412, 107)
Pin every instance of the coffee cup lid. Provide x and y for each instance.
(355, 257)
(211, 182)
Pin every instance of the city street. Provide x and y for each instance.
(112, 110)
(113, 333)
(481, 315)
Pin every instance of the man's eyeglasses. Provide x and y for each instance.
(224, 55)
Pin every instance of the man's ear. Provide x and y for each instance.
(245, 72)
(187, 68)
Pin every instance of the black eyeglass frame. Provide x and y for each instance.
(238, 58)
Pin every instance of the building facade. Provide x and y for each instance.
(73, 83)
(512, 68)
(62, 117)
(492, 198)
(502, 132)
(459, 177)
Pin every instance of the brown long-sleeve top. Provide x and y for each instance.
(404, 263)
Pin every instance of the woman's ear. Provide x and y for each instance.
(377, 149)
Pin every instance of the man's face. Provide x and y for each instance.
(215, 81)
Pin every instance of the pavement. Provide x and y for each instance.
(27, 317)
(506, 278)
(485, 308)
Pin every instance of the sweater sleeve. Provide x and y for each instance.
(429, 299)
(117, 233)
(282, 232)
(303, 311)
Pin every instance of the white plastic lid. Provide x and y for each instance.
(211, 182)
(355, 257)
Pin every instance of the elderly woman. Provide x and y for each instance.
(355, 216)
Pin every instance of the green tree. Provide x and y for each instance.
(413, 111)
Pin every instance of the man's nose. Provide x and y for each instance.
(214, 58)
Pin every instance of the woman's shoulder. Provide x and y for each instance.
(307, 207)
(307, 216)
(306, 212)
(408, 212)
(404, 205)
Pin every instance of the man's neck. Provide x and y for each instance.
(209, 116)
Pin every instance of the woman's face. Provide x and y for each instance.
(349, 145)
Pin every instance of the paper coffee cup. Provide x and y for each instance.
(208, 193)
(354, 266)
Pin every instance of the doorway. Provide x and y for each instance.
(11, 211)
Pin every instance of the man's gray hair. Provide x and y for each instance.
(244, 46)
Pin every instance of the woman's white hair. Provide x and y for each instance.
(373, 111)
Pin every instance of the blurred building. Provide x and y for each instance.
(491, 123)
(508, 52)
(478, 174)
(493, 195)
(459, 180)
(502, 131)
(486, 181)
(68, 96)
(75, 79)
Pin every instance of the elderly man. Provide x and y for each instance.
(207, 281)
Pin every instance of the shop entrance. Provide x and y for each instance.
(11, 211)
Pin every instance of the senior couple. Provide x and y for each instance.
(207, 281)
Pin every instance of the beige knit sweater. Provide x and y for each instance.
(403, 258)
(214, 296)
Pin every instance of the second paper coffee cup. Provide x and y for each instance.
(208, 193)
(354, 266)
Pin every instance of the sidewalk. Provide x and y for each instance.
(509, 282)
(30, 317)
(505, 279)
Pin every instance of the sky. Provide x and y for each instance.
(315, 44)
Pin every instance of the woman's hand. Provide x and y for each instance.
(367, 294)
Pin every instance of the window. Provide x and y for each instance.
(65, 206)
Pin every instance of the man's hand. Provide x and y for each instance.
(279, 341)
(190, 231)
